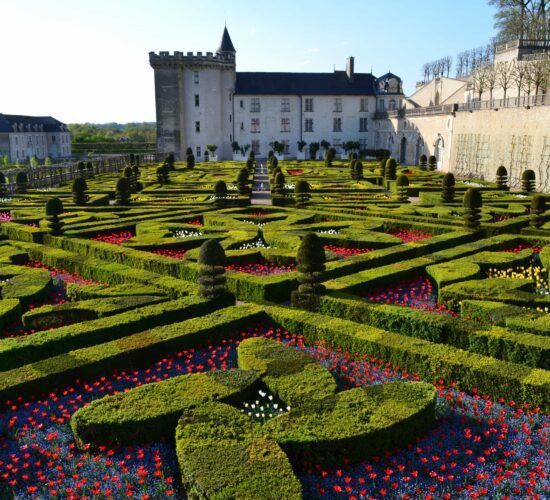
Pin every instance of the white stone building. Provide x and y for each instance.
(22, 137)
(201, 99)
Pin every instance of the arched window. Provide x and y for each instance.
(439, 146)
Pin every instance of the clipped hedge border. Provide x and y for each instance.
(127, 353)
(10, 312)
(430, 360)
(19, 351)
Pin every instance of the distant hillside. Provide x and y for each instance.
(112, 132)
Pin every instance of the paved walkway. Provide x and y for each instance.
(260, 187)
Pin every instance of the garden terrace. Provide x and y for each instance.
(118, 378)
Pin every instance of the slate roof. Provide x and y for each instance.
(226, 45)
(336, 83)
(49, 123)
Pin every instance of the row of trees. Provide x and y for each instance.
(522, 19)
(528, 76)
(113, 132)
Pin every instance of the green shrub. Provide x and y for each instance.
(190, 161)
(383, 163)
(242, 180)
(402, 185)
(472, 204)
(423, 161)
(10, 313)
(358, 170)
(538, 207)
(163, 174)
(21, 182)
(54, 208)
(302, 192)
(279, 184)
(502, 178)
(79, 189)
(31, 286)
(528, 181)
(3, 187)
(448, 191)
(212, 280)
(123, 191)
(220, 194)
(391, 168)
(432, 163)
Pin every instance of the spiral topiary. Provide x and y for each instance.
(448, 191)
(302, 192)
(3, 187)
(54, 208)
(190, 161)
(220, 194)
(21, 182)
(502, 178)
(358, 171)
(538, 207)
(123, 191)
(311, 263)
(242, 182)
(402, 184)
(432, 163)
(472, 204)
(279, 184)
(423, 161)
(528, 181)
(79, 189)
(391, 170)
(212, 280)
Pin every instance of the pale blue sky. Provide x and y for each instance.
(88, 60)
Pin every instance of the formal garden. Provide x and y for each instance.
(377, 331)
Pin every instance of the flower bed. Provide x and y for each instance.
(297, 171)
(5, 217)
(476, 448)
(173, 254)
(261, 269)
(57, 296)
(195, 222)
(409, 235)
(115, 238)
(343, 252)
(523, 246)
(417, 293)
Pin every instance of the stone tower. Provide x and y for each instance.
(194, 99)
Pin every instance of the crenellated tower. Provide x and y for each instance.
(193, 96)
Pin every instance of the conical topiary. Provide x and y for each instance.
(432, 163)
(352, 163)
(242, 182)
(528, 181)
(279, 184)
(472, 204)
(250, 163)
(81, 167)
(423, 161)
(220, 194)
(358, 171)
(302, 192)
(383, 162)
(54, 208)
(311, 262)
(502, 178)
(170, 159)
(212, 280)
(391, 169)
(402, 184)
(329, 158)
(538, 207)
(123, 192)
(21, 182)
(448, 191)
(89, 170)
(79, 189)
(191, 161)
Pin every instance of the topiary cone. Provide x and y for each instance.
(538, 207)
(448, 191)
(472, 204)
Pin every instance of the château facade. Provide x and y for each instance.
(22, 137)
(201, 99)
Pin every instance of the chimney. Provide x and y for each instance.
(349, 69)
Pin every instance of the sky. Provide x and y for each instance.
(87, 61)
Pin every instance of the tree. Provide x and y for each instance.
(518, 74)
(123, 192)
(325, 144)
(521, 19)
(504, 70)
(90, 169)
(242, 181)
(235, 147)
(278, 147)
(54, 208)
(480, 81)
(528, 181)
(129, 174)
(79, 189)
(163, 174)
(212, 148)
(301, 145)
(220, 194)
(170, 160)
(47, 161)
(329, 157)
(402, 184)
(21, 182)
(472, 204)
(448, 191)
(528, 81)
(491, 79)
(391, 168)
(432, 163)
(313, 149)
(502, 178)
(311, 263)
(423, 161)
(190, 161)
(352, 163)
(539, 70)
(358, 170)
(34, 161)
(538, 207)
(302, 193)
(212, 280)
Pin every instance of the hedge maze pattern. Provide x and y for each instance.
(421, 368)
